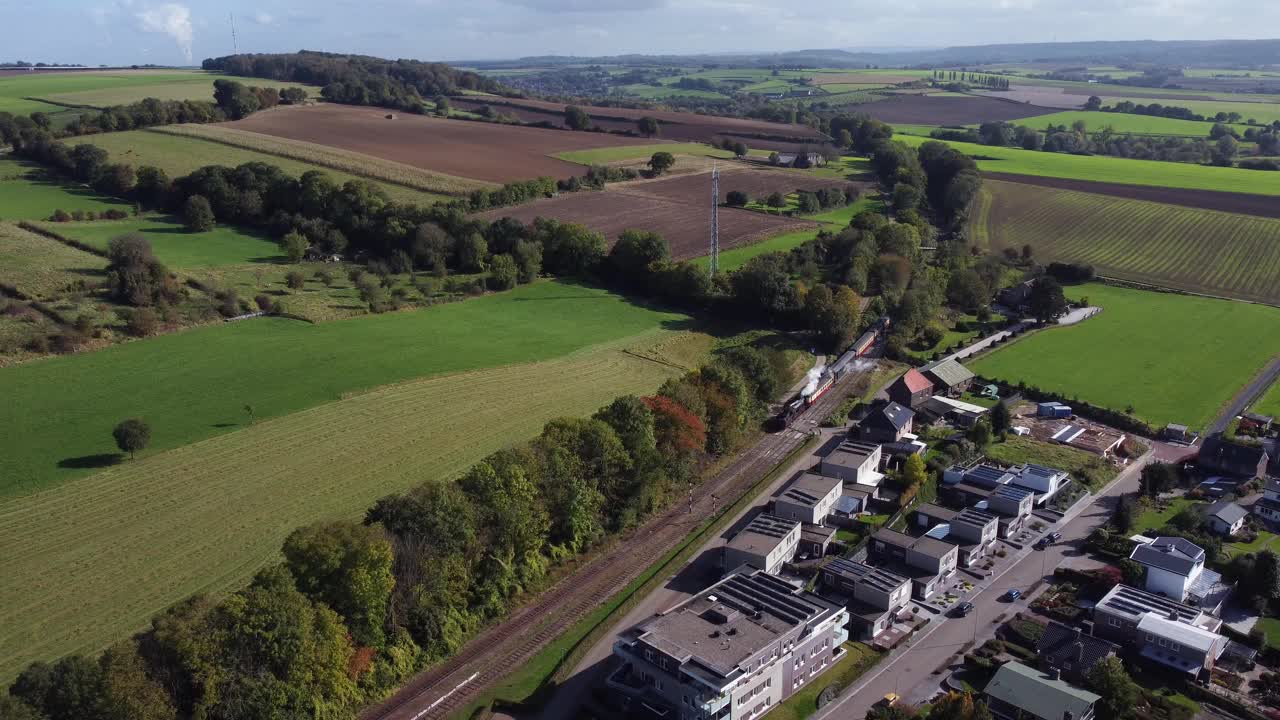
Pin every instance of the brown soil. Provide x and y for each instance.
(675, 125)
(483, 151)
(757, 183)
(677, 208)
(1240, 203)
(929, 110)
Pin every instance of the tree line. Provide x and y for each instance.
(356, 608)
(970, 78)
(358, 79)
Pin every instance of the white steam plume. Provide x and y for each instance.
(173, 20)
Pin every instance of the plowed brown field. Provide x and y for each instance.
(676, 208)
(929, 110)
(675, 125)
(483, 151)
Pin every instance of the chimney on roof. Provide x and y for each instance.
(1173, 615)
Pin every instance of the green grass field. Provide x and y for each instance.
(180, 155)
(174, 245)
(1111, 169)
(101, 88)
(1269, 403)
(1125, 123)
(1202, 251)
(657, 93)
(1264, 112)
(60, 411)
(102, 554)
(600, 156)
(24, 198)
(1161, 353)
(737, 257)
(39, 267)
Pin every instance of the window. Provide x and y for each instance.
(1113, 622)
(1174, 646)
(662, 663)
(1151, 638)
(648, 655)
(1162, 642)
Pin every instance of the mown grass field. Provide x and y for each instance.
(178, 156)
(1173, 358)
(1111, 169)
(1269, 403)
(1125, 123)
(1264, 112)
(330, 157)
(101, 88)
(737, 257)
(193, 86)
(103, 554)
(60, 412)
(173, 244)
(622, 153)
(1190, 249)
(25, 198)
(39, 267)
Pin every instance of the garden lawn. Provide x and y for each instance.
(194, 384)
(1264, 541)
(1270, 628)
(1154, 519)
(24, 198)
(600, 156)
(174, 244)
(180, 155)
(859, 659)
(1111, 169)
(1173, 358)
(101, 555)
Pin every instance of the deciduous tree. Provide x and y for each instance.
(132, 435)
(197, 214)
(661, 161)
(1119, 692)
(346, 566)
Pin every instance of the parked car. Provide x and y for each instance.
(1012, 594)
(963, 609)
(1054, 536)
(1043, 543)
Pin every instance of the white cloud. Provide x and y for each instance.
(262, 18)
(170, 19)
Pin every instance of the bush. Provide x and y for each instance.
(295, 280)
(737, 198)
(264, 303)
(60, 215)
(142, 322)
(197, 214)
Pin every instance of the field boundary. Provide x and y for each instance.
(43, 232)
(1153, 287)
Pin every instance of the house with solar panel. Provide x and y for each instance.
(1045, 482)
(1175, 569)
(765, 543)
(873, 595)
(1117, 614)
(857, 464)
(809, 498)
(929, 562)
(971, 530)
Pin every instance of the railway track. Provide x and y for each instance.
(494, 653)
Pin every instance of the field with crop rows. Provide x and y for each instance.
(59, 412)
(178, 155)
(1160, 353)
(333, 158)
(174, 244)
(1117, 170)
(39, 267)
(1184, 248)
(103, 554)
(23, 197)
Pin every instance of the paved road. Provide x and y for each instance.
(1071, 318)
(910, 671)
(1246, 396)
(491, 656)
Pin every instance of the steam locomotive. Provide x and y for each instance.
(830, 374)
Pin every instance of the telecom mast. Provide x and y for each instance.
(715, 219)
(235, 46)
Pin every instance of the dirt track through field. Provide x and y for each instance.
(677, 208)
(928, 110)
(478, 150)
(1240, 203)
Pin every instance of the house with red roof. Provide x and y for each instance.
(911, 390)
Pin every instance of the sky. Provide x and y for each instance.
(183, 32)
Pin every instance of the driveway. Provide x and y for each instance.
(910, 672)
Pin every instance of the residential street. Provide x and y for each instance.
(909, 671)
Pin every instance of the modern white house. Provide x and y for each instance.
(765, 543)
(1225, 518)
(809, 498)
(874, 595)
(1175, 569)
(1183, 647)
(1268, 506)
(857, 464)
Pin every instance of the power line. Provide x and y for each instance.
(715, 219)
(235, 45)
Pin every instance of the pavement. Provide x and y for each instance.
(916, 672)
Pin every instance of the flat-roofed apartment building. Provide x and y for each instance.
(734, 650)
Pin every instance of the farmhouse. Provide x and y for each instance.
(874, 595)
(809, 159)
(912, 390)
(886, 423)
(927, 561)
(1019, 692)
(1016, 296)
(765, 543)
(1175, 568)
(857, 464)
(1221, 456)
(948, 377)
(1225, 517)
(1071, 651)
(809, 498)
(740, 646)
(1117, 614)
